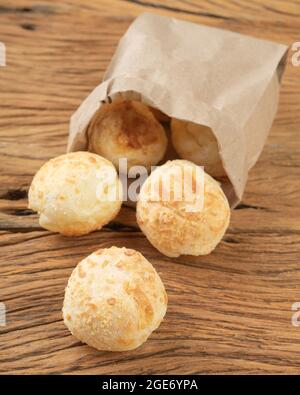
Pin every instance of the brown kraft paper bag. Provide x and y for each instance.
(224, 80)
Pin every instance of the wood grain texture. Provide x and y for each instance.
(229, 312)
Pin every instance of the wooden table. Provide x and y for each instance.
(229, 312)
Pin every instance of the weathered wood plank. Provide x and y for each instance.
(229, 312)
(233, 306)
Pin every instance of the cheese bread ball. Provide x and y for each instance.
(198, 144)
(75, 193)
(114, 300)
(192, 223)
(127, 129)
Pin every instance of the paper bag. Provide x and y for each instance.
(224, 80)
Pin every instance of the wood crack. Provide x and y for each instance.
(178, 10)
(113, 226)
(243, 206)
(37, 9)
(14, 194)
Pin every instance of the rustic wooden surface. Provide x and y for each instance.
(229, 312)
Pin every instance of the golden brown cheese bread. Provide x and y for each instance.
(114, 300)
(193, 225)
(76, 193)
(127, 129)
